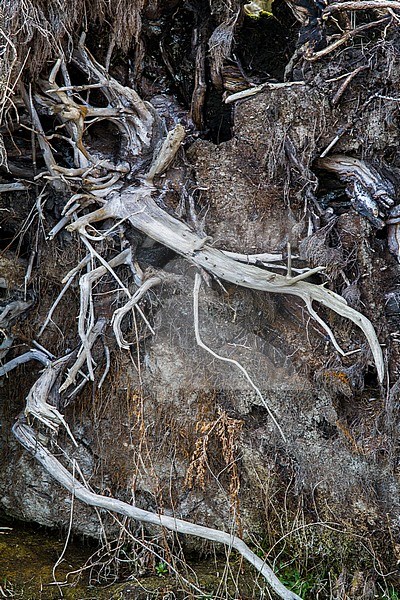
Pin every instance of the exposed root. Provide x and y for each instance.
(261, 88)
(167, 153)
(12, 187)
(27, 438)
(253, 259)
(24, 358)
(138, 206)
(364, 5)
(126, 192)
(10, 312)
(120, 313)
(348, 35)
(86, 312)
(343, 87)
(197, 283)
(85, 354)
(36, 402)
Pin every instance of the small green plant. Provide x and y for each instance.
(296, 582)
(392, 595)
(258, 8)
(161, 569)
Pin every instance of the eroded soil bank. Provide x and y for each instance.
(160, 423)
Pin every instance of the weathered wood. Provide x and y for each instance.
(17, 186)
(27, 438)
(364, 5)
(22, 359)
(145, 215)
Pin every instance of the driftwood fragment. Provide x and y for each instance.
(370, 194)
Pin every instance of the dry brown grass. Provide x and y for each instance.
(225, 431)
(34, 32)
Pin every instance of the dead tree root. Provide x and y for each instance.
(94, 179)
(25, 435)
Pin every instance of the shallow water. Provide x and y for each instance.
(29, 570)
(28, 556)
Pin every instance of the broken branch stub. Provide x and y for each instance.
(36, 402)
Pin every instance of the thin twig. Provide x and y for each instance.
(197, 283)
(55, 304)
(342, 130)
(107, 367)
(343, 39)
(345, 84)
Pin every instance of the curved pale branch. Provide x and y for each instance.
(141, 210)
(86, 321)
(121, 312)
(196, 289)
(85, 354)
(36, 402)
(167, 153)
(24, 358)
(27, 438)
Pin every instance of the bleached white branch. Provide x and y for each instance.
(36, 402)
(24, 358)
(17, 186)
(167, 153)
(261, 88)
(253, 259)
(197, 283)
(85, 321)
(121, 312)
(85, 354)
(145, 215)
(27, 438)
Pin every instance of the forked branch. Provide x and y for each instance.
(139, 208)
